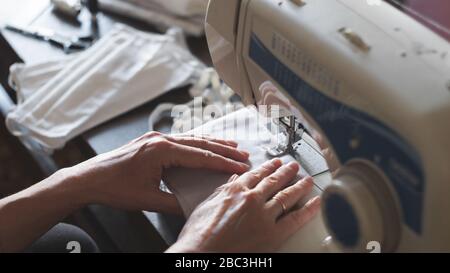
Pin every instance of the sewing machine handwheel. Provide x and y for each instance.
(360, 209)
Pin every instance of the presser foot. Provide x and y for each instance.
(283, 149)
(290, 138)
(277, 151)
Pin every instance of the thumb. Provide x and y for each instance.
(163, 202)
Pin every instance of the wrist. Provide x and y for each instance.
(72, 185)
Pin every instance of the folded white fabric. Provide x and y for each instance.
(26, 79)
(186, 14)
(249, 129)
(62, 99)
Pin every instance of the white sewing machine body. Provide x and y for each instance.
(371, 85)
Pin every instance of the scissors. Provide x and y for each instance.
(67, 44)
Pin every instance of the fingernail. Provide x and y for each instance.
(307, 182)
(315, 201)
(275, 161)
(308, 179)
(233, 177)
(293, 165)
(233, 143)
(245, 153)
(245, 166)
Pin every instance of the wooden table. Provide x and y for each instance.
(131, 231)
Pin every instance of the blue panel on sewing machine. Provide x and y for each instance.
(378, 143)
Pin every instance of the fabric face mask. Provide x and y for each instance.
(123, 70)
(26, 79)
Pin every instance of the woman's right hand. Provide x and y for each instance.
(247, 214)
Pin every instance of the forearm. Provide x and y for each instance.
(25, 216)
(126, 178)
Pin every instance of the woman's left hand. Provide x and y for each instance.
(129, 177)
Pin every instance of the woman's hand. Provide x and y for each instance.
(247, 214)
(126, 178)
(129, 177)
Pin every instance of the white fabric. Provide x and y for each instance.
(249, 129)
(186, 14)
(123, 70)
(209, 92)
(26, 79)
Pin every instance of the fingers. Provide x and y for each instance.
(148, 135)
(290, 196)
(161, 202)
(278, 180)
(192, 157)
(233, 178)
(295, 220)
(169, 204)
(210, 138)
(215, 147)
(252, 178)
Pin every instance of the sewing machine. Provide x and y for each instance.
(371, 86)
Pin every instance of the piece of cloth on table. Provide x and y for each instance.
(60, 99)
(250, 130)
